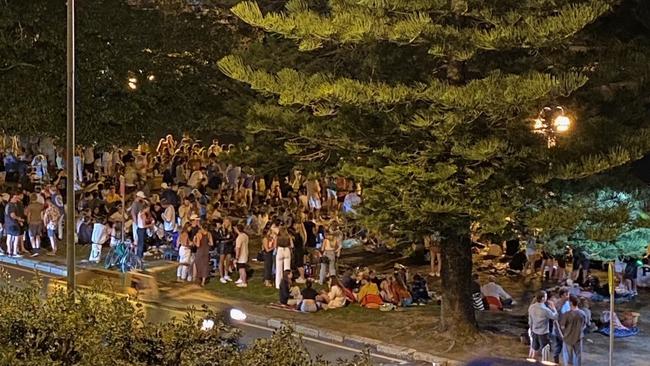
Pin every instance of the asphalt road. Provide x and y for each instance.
(250, 332)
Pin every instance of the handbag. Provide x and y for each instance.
(324, 259)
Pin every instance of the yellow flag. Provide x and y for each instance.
(610, 277)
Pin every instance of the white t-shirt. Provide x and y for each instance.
(169, 218)
(100, 233)
(241, 245)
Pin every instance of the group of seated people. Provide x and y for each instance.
(363, 287)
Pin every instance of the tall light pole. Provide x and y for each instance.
(69, 159)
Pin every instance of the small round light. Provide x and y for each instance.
(133, 86)
(151, 78)
(237, 315)
(133, 80)
(208, 324)
(562, 123)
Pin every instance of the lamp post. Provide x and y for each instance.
(70, 145)
(550, 122)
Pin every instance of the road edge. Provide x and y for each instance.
(373, 345)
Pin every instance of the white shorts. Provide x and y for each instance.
(314, 203)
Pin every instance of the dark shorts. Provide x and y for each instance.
(90, 168)
(299, 257)
(13, 230)
(241, 265)
(225, 248)
(539, 341)
(36, 229)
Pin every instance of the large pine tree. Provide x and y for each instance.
(432, 102)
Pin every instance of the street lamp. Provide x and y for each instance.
(550, 122)
(70, 144)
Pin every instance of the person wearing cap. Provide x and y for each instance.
(195, 225)
(136, 207)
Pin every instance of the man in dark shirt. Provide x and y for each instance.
(13, 221)
(573, 324)
(310, 229)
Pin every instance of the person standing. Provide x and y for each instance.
(299, 238)
(432, 243)
(331, 250)
(202, 242)
(99, 237)
(51, 217)
(573, 324)
(185, 256)
(223, 238)
(283, 254)
(13, 221)
(268, 247)
(168, 217)
(241, 254)
(314, 195)
(136, 207)
(35, 221)
(540, 313)
(144, 222)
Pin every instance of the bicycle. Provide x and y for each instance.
(123, 257)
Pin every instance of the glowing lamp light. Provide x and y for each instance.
(133, 80)
(207, 325)
(151, 78)
(133, 86)
(237, 315)
(562, 123)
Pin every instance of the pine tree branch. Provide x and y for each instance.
(496, 92)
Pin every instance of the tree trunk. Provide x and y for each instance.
(457, 307)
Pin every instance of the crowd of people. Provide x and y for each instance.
(198, 205)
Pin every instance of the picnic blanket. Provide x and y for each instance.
(284, 307)
(619, 333)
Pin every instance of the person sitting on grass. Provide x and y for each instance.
(335, 297)
(403, 296)
(308, 303)
(289, 295)
(496, 296)
(420, 290)
(386, 292)
(368, 295)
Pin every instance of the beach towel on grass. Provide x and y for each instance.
(620, 333)
(283, 307)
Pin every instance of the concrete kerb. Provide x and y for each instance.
(350, 340)
(36, 265)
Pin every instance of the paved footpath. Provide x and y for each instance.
(174, 301)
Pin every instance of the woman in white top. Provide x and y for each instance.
(185, 256)
(335, 297)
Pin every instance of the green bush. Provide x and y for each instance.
(104, 329)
